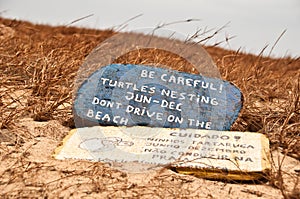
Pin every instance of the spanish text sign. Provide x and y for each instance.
(137, 95)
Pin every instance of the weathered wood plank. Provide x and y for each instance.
(205, 153)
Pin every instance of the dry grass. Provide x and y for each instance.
(37, 68)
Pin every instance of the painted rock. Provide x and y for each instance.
(138, 95)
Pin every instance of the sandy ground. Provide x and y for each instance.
(31, 170)
(37, 66)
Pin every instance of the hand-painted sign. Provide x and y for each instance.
(137, 95)
(205, 153)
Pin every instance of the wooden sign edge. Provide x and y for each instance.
(218, 174)
(62, 144)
